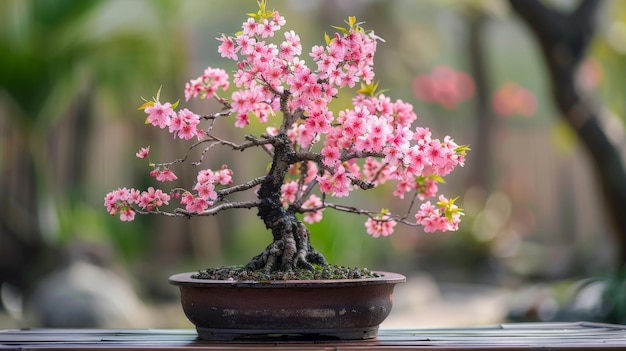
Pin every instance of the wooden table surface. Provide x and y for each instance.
(516, 336)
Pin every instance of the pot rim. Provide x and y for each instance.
(185, 279)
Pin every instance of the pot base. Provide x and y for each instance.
(345, 309)
(287, 334)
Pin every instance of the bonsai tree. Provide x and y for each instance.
(316, 154)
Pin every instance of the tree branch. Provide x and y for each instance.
(179, 212)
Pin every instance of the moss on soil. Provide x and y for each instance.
(239, 273)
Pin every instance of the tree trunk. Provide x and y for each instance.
(481, 176)
(564, 39)
(291, 246)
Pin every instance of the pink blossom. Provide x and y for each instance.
(267, 29)
(403, 187)
(325, 182)
(404, 113)
(207, 85)
(340, 183)
(331, 156)
(206, 191)
(245, 44)
(288, 192)
(250, 27)
(159, 115)
(312, 202)
(311, 172)
(197, 205)
(278, 19)
(224, 176)
(426, 188)
(205, 176)
(244, 101)
(127, 214)
(371, 169)
(187, 198)
(414, 160)
(380, 226)
(305, 136)
(241, 120)
(227, 48)
(444, 218)
(121, 201)
(143, 152)
(152, 199)
(184, 124)
(165, 175)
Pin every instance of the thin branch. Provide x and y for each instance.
(197, 163)
(217, 115)
(240, 187)
(179, 212)
(253, 142)
(371, 214)
(184, 158)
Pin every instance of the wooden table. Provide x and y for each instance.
(529, 336)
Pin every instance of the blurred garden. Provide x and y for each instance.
(544, 187)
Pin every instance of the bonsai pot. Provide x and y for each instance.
(312, 309)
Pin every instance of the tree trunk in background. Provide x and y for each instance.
(481, 147)
(564, 38)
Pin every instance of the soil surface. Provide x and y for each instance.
(239, 273)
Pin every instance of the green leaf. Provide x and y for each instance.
(342, 29)
(158, 94)
(327, 38)
(351, 21)
(437, 178)
(145, 105)
(462, 149)
(175, 105)
(368, 89)
(262, 6)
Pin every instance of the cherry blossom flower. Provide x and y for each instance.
(313, 201)
(159, 114)
(207, 85)
(382, 225)
(143, 152)
(289, 190)
(227, 49)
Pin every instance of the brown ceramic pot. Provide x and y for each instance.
(310, 309)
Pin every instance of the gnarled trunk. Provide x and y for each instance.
(291, 246)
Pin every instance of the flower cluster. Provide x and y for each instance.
(122, 200)
(361, 147)
(445, 216)
(183, 123)
(205, 194)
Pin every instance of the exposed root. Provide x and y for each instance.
(291, 250)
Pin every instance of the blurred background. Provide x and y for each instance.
(541, 239)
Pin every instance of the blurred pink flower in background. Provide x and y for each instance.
(590, 74)
(444, 86)
(512, 99)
